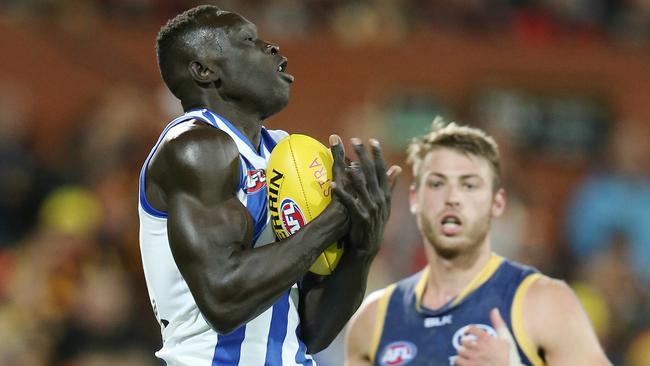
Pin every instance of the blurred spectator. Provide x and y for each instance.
(114, 132)
(615, 199)
(102, 321)
(131, 356)
(376, 21)
(23, 180)
(610, 275)
(532, 21)
(631, 23)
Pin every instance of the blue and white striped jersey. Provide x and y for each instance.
(272, 338)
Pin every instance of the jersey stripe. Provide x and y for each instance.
(519, 331)
(301, 356)
(492, 265)
(278, 331)
(256, 204)
(420, 287)
(228, 349)
(382, 307)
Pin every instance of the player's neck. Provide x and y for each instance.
(448, 277)
(248, 123)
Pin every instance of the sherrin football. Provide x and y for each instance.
(298, 178)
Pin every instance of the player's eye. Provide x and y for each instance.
(470, 186)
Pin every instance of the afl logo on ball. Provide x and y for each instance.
(398, 353)
(291, 215)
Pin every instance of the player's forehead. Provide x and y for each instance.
(453, 163)
(231, 22)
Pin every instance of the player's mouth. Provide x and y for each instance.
(282, 69)
(451, 224)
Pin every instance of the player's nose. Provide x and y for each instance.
(272, 49)
(452, 197)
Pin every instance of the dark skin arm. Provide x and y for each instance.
(194, 177)
(327, 303)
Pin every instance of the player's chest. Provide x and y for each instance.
(415, 339)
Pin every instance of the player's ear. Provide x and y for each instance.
(202, 73)
(413, 198)
(499, 203)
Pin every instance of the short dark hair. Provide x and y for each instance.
(172, 46)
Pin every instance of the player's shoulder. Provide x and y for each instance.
(516, 269)
(549, 301)
(196, 135)
(194, 149)
(365, 317)
(360, 332)
(195, 144)
(546, 291)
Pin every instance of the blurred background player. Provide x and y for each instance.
(223, 292)
(468, 306)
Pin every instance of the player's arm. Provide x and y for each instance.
(359, 335)
(210, 231)
(558, 325)
(327, 304)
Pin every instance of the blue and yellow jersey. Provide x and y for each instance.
(406, 333)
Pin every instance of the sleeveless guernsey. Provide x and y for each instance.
(272, 338)
(406, 333)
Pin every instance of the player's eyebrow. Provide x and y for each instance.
(436, 174)
(461, 177)
(247, 27)
(470, 176)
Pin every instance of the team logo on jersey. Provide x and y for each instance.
(437, 321)
(291, 215)
(255, 180)
(398, 353)
(462, 332)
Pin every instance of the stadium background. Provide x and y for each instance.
(563, 85)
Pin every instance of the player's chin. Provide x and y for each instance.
(281, 94)
(275, 103)
(449, 247)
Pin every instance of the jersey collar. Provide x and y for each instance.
(486, 272)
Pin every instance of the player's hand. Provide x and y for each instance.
(478, 348)
(365, 188)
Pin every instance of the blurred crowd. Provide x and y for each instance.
(71, 288)
(627, 21)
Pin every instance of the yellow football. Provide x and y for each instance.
(298, 178)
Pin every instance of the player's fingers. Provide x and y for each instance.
(468, 342)
(338, 153)
(504, 333)
(346, 198)
(391, 175)
(476, 332)
(358, 182)
(367, 166)
(499, 325)
(380, 165)
(497, 320)
(463, 357)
